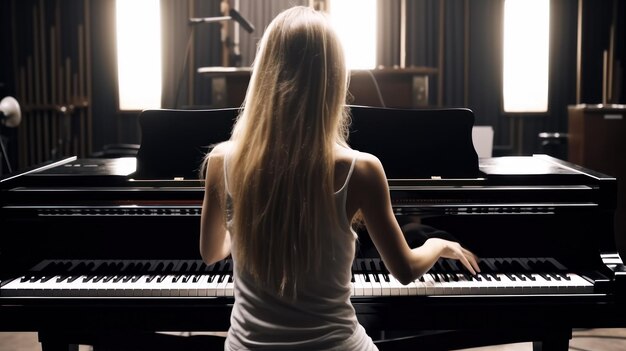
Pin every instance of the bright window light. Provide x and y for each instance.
(526, 55)
(355, 22)
(139, 54)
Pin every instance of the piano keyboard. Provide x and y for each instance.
(183, 278)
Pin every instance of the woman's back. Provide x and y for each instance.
(321, 315)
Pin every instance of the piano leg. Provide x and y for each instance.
(55, 342)
(557, 340)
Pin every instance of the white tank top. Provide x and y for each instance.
(320, 318)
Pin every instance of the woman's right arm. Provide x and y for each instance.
(371, 190)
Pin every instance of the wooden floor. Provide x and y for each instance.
(583, 340)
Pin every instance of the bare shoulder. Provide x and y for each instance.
(214, 162)
(368, 176)
(369, 167)
(220, 149)
(215, 158)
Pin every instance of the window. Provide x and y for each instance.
(355, 22)
(138, 54)
(526, 55)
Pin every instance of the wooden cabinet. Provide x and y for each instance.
(400, 88)
(597, 140)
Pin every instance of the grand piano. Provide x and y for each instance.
(109, 247)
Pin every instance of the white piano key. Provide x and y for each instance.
(359, 289)
(376, 285)
(367, 286)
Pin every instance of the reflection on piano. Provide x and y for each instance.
(110, 246)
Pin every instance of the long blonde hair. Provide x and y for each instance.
(281, 168)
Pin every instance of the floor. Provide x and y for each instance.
(582, 340)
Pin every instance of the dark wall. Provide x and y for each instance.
(597, 18)
(6, 78)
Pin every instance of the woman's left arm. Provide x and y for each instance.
(214, 237)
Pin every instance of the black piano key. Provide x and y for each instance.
(436, 268)
(517, 266)
(377, 263)
(449, 266)
(363, 267)
(183, 267)
(484, 267)
(46, 278)
(143, 268)
(511, 276)
(159, 267)
(545, 276)
(555, 276)
(129, 268)
(169, 268)
(548, 266)
(80, 268)
(498, 265)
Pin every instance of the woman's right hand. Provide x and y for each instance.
(454, 250)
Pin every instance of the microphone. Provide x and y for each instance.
(234, 14)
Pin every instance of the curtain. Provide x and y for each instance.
(186, 47)
(260, 13)
(388, 53)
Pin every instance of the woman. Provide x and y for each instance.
(280, 196)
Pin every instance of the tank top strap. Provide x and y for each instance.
(227, 154)
(345, 183)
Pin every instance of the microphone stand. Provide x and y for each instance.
(193, 21)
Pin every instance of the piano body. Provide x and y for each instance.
(110, 246)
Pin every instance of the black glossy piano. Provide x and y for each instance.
(110, 246)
